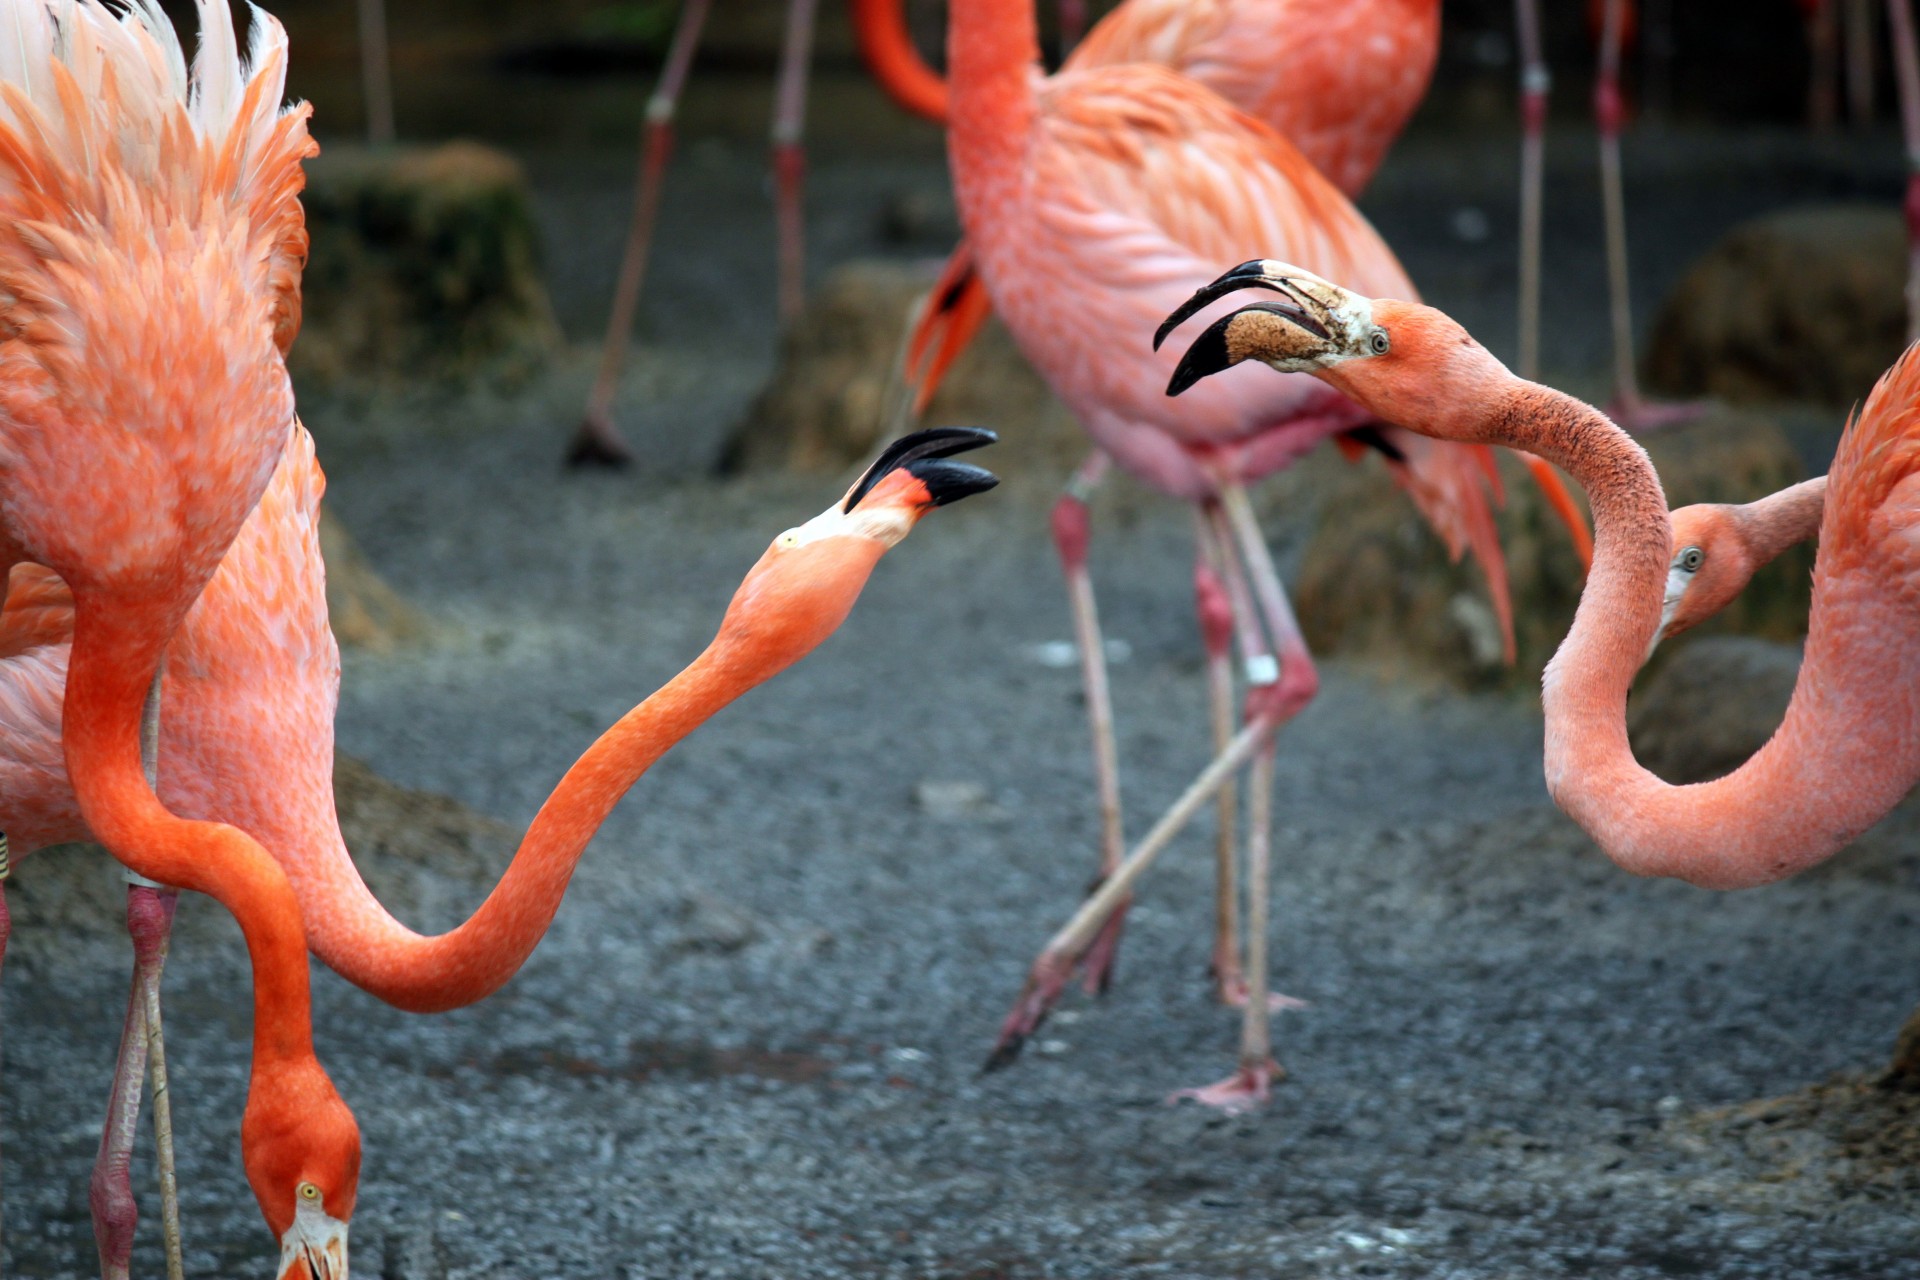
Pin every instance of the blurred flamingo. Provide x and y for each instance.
(152, 215)
(1089, 209)
(1844, 754)
(598, 441)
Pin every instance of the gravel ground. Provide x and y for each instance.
(750, 1045)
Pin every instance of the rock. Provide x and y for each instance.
(364, 611)
(828, 402)
(712, 925)
(954, 800)
(1711, 704)
(1904, 1071)
(1374, 582)
(1807, 304)
(424, 263)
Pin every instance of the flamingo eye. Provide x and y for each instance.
(791, 538)
(1379, 342)
(309, 1192)
(1692, 558)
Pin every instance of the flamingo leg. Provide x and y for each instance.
(1906, 65)
(1070, 538)
(789, 155)
(1535, 82)
(1629, 409)
(1073, 25)
(598, 442)
(150, 911)
(1823, 55)
(1280, 689)
(376, 72)
(1860, 61)
(1216, 614)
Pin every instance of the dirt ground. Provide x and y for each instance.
(750, 1046)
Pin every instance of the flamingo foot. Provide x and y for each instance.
(1101, 956)
(598, 443)
(1233, 993)
(1246, 1090)
(1045, 981)
(1636, 416)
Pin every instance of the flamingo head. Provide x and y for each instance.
(1405, 363)
(302, 1150)
(1711, 565)
(804, 586)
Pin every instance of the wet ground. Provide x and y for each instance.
(750, 1045)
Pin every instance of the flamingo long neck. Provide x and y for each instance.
(1839, 761)
(1781, 520)
(110, 671)
(357, 937)
(993, 59)
(886, 46)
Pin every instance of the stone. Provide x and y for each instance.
(1904, 1071)
(1806, 304)
(1374, 582)
(834, 395)
(424, 263)
(1712, 703)
(364, 611)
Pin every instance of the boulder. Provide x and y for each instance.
(1711, 704)
(364, 611)
(1374, 582)
(1807, 304)
(424, 263)
(835, 391)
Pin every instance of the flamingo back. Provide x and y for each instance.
(148, 210)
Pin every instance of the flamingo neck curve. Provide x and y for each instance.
(886, 46)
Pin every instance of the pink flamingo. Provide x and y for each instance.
(1718, 547)
(1843, 755)
(598, 441)
(124, 178)
(1094, 176)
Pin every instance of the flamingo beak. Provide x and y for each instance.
(1316, 324)
(314, 1247)
(924, 455)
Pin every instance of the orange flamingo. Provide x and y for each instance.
(1096, 177)
(1718, 547)
(1844, 754)
(254, 678)
(121, 178)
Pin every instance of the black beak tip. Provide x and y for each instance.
(948, 481)
(1207, 355)
(936, 442)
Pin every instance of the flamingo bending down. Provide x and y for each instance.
(1124, 179)
(149, 229)
(1718, 547)
(597, 441)
(253, 679)
(1844, 754)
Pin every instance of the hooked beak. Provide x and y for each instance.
(1315, 323)
(924, 455)
(314, 1247)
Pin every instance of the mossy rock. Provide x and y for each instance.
(424, 263)
(1806, 305)
(364, 611)
(1375, 583)
(835, 387)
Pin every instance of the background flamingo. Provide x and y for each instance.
(1090, 177)
(1842, 757)
(598, 441)
(121, 178)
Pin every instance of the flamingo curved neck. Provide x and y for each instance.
(357, 937)
(108, 676)
(886, 46)
(993, 57)
(1771, 525)
(1838, 762)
